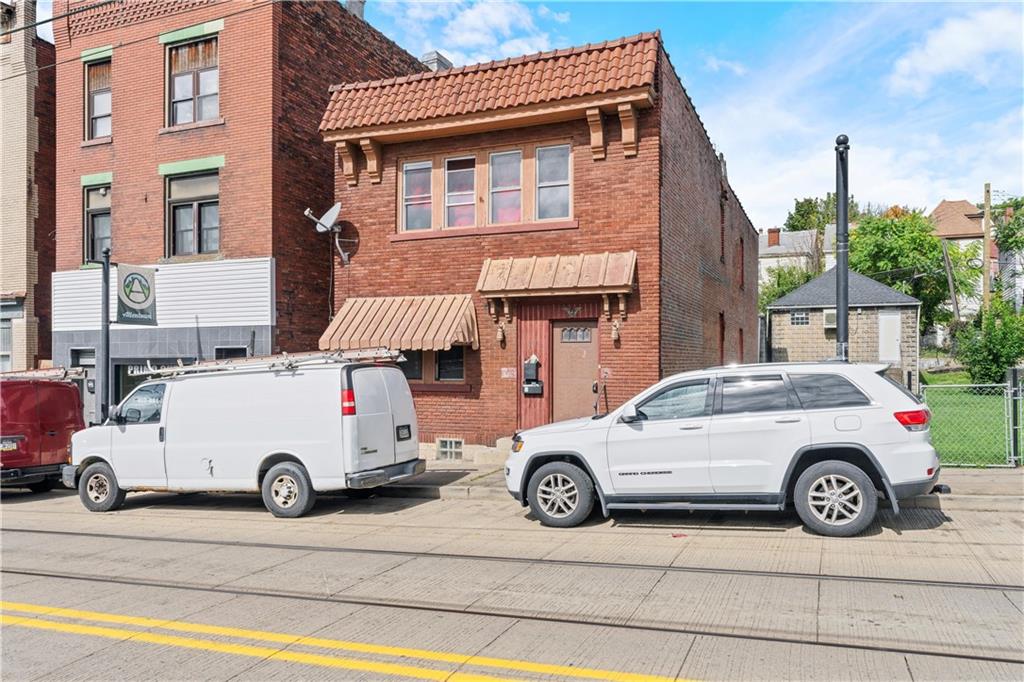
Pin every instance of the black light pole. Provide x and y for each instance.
(103, 362)
(842, 248)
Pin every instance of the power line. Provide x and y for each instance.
(267, 3)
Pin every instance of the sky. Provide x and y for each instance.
(931, 95)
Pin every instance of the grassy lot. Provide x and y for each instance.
(953, 377)
(968, 425)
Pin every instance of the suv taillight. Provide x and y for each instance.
(348, 402)
(913, 420)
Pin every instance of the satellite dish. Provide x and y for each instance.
(328, 221)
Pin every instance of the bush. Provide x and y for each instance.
(993, 344)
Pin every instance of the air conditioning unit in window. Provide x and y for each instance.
(828, 316)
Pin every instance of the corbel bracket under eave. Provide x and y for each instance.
(507, 304)
(607, 306)
(627, 118)
(374, 164)
(492, 310)
(622, 306)
(596, 122)
(347, 156)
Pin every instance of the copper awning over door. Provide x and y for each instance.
(403, 323)
(592, 273)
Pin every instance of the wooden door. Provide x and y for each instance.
(573, 368)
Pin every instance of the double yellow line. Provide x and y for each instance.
(33, 620)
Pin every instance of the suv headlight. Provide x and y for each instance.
(517, 444)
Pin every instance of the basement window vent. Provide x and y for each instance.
(449, 448)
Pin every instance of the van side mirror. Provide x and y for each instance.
(132, 415)
(629, 414)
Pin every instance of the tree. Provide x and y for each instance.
(813, 213)
(993, 344)
(903, 252)
(781, 280)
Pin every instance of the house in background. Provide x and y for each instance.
(960, 222)
(883, 325)
(187, 138)
(27, 158)
(828, 244)
(781, 248)
(531, 226)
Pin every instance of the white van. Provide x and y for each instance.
(288, 428)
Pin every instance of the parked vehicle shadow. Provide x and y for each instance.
(24, 495)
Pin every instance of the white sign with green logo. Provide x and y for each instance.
(136, 295)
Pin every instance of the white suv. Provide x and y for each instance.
(828, 436)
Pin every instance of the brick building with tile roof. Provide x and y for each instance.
(574, 199)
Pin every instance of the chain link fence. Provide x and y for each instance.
(971, 423)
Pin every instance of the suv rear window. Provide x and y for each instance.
(903, 389)
(817, 391)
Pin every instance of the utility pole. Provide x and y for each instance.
(986, 248)
(842, 248)
(949, 280)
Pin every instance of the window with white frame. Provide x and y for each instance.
(6, 345)
(449, 448)
(506, 192)
(416, 203)
(553, 182)
(799, 318)
(460, 192)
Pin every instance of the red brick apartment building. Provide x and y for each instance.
(187, 140)
(530, 226)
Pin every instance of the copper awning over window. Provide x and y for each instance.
(403, 323)
(592, 273)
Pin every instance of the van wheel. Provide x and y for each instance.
(835, 498)
(561, 494)
(287, 492)
(43, 486)
(98, 488)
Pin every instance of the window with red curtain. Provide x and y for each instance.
(506, 187)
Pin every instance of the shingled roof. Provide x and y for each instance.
(592, 69)
(820, 292)
(957, 218)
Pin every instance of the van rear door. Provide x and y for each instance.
(407, 442)
(19, 421)
(60, 415)
(375, 440)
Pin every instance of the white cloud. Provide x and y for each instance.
(975, 44)
(546, 12)
(715, 64)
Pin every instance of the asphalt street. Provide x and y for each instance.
(177, 587)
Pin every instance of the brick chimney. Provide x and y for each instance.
(773, 236)
(355, 7)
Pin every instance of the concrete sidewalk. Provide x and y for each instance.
(972, 489)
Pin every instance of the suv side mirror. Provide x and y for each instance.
(629, 414)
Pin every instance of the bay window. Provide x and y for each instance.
(506, 196)
(460, 192)
(193, 209)
(416, 195)
(553, 182)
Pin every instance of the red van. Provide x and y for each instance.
(37, 418)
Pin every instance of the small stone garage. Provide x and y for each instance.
(884, 323)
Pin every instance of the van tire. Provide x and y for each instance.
(860, 495)
(98, 488)
(287, 492)
(561, 478)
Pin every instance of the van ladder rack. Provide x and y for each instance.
(282, 361)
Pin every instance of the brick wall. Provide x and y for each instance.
(812, 342)
(45, 170)
(615, 201)
(307, 65)
(697, 283)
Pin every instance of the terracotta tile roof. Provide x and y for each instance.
(403, 323)
(610, 273)
(952, 219)
(118, 14)
(591, 69)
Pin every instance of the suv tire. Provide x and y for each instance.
(560, 494)
(98, 488)
(287, 492)
(835, 498)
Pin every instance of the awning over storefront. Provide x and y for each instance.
(403, 323)
(591, 273)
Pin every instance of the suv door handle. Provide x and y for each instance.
(160, 434)
(691, 427)
(787, 420)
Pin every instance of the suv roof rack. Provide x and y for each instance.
(282, 361)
